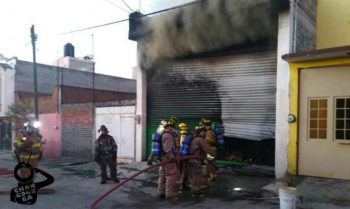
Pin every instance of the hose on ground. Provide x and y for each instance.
(101, 197)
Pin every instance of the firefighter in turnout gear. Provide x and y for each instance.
(199, 148)
(168, 172)
(210, 137)
(106, 154)
(176, 133)
(184, 177)
(29, 148)
(158, 133)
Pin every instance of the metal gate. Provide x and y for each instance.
(237, 90)
(121, 125)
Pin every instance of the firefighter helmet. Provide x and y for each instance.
(163, 122)
(103, 128)
(173, 119)
(198, 128)
(183, 126)
(206, 122)
(169, 123)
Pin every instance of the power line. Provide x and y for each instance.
(127, 5)
(144, 15)
(118, 6)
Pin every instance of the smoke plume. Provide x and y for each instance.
(207, 26)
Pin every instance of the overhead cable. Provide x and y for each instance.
(127, 5)
(144, 15)
(118, 6)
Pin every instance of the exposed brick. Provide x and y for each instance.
(77, 141)
(77, 115)
(83, 95)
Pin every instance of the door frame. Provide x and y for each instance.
(294, 68)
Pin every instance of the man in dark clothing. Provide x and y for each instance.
(106, 154)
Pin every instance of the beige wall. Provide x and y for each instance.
(333, 23)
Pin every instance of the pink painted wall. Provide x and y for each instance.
(50, 130)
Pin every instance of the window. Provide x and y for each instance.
(317, 118)
(342, 118)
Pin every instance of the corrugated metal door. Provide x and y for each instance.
(237, 90)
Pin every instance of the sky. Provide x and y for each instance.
(113, 53)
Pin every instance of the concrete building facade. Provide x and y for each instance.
(67, 100)
(317, 140)
(295, 32)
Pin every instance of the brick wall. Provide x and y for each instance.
(46, 103)
(77, 127)
(77, 121)
(83, 95)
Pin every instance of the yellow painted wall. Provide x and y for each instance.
(294, 104)
(333, 23)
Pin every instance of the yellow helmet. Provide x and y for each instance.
(169, 123)
(198, 128)
(206, 122)
(182, 126)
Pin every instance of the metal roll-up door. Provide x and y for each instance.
(237, 90)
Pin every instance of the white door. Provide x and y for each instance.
(324, 122)
(121, 125)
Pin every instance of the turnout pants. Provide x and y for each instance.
(195, 171)
(184, 176)
(167, 180)
(112, 164)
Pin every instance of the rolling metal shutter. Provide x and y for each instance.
(237, 90)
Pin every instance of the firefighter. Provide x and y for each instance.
(106, 154)
(168, 172)
(159, 131)
(183, 167)
(198, 148)
(210, 137)
(28, 148)
(176, 132)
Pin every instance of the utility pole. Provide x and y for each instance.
(34, 37)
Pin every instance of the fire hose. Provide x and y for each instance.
(101, 197)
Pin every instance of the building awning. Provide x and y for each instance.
(318, 54)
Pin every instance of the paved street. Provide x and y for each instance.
(77, 186)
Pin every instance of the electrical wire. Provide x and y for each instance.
(144, 15)
(127, 5)
(118, 6)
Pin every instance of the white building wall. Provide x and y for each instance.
(75, 63)
(282, 96)
(141, 114)
(7, 85)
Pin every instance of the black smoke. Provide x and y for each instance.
(208, 26)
